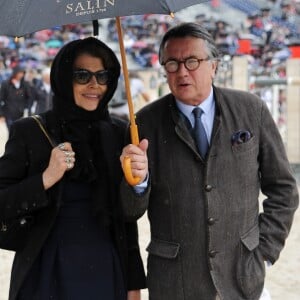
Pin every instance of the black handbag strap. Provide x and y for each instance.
(39, 121)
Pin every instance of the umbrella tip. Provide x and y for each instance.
(172, 15)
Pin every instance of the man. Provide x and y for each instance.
(208, 239)
(15, 97)
(43, 93)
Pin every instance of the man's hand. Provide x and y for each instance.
(138, 158)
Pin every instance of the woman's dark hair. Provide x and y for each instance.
(190, 29)
(91, 48)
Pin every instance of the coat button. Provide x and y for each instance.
(211, 221)
(208, 188)
(212, 253)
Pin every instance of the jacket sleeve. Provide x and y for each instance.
(279, 187)
(20, 192)
(134, 205)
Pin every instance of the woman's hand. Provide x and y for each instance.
(62, 159)
(138, 158)
(134, 295)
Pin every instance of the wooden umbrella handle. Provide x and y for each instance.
(126, 165)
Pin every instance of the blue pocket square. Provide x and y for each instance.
(240, 137)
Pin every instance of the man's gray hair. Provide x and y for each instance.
(190, 29)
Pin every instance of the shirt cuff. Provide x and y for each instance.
(140, 188)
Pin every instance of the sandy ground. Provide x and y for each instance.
(282, 281)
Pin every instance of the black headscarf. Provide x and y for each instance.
(84, 129)
(62, 83)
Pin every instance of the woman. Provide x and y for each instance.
(79, 246)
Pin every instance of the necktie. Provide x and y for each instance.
(199, 132)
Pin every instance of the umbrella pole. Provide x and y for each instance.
(133, 126)
(126, 165)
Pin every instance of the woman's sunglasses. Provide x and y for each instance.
(82, 76)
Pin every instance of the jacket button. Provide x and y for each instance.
(212, 253)
(211, 221)
(208, 188)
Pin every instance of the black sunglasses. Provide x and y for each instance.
(82, 76)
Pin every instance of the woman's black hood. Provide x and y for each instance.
(62, 82)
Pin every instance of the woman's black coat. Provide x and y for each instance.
(26, 156)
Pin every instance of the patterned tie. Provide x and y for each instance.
(199, 132)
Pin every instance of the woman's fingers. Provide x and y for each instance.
(66, 155)
(62, 159)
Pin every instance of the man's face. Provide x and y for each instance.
(190, 87)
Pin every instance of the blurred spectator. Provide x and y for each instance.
(15, 96)
(118, 105)
(139, 95)
(43, 94)
(267, 23)
(138, 91)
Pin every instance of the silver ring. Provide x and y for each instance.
(68, 153)
(61, 146)
(69, 165)
(68, 160)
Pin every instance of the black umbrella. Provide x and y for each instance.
(20, 17)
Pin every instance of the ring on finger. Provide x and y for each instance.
(61, 146)
(68, 160)
(69, 165)
(69, 153)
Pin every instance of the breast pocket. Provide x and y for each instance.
(240, 149)
(245, 162)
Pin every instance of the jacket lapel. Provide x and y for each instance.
(183, 128)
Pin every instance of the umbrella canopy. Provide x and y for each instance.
(21, 17)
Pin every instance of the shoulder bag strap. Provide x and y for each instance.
(37, 118)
